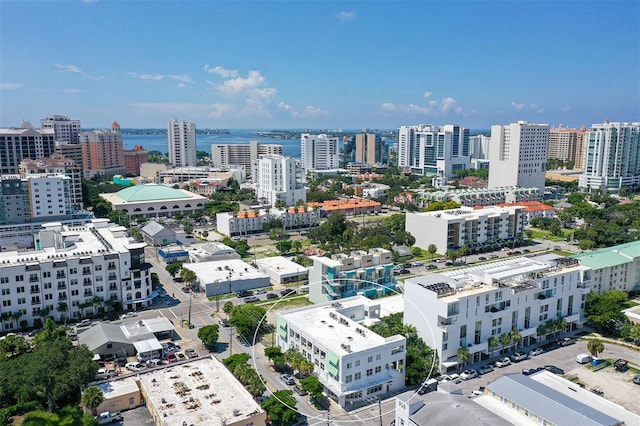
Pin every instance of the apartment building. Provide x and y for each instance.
(247, 223)
(182, 143)
(518, 155)
(102, 152)
(74, 271)
(366, 149)
(612, 157)
(614, 268)
(57, 165)
(434, 150)
(360, 273)
(242, 155)
(320, 152)
(64, 128)
(279, 179)
(16, 144)
(352, 362)
(466, 226)
(133, 158)
(73, 151)
(471, 197)
(465, 307)
(568, 145)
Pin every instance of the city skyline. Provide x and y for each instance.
(320, 64)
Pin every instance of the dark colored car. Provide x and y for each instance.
(287, 291)
(404, 271)
(530, 371)
(554, 369)
(432, 266)
(244, 293)
(272, 296)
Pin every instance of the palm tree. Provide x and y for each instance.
(560, 325)
(432, 249)
(63, 308)
(492, 343)
(188, 276)
(463, 356)
(96, 302)
(595, 346)
(505, 340)
(16, 316)
(92, 397)
(516, 337)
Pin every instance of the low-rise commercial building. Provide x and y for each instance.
(247, 223)
(227, 276)
(352, 362)
(466, 307)
(212, 251)
(157, 235)
(283, 271)
(465, 226)
(367, 273)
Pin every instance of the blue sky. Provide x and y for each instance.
(320, 64)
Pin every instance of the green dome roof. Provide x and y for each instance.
(150, 192)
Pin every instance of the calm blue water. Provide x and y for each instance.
(159, 142)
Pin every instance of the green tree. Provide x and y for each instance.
(603, 311)
(272, 352)
(246, 319)
(173, 268)
(595, 347)
(189, 277)
(281, 407)
(492, 343)
(92, 397)
(432, 249)
(13, 345)
(312, 385)
(296, 246)
(227, 308)
(516, 337)
(505, 340)
(463, 357)
(234, 360)
(284, 246)
(209, 335)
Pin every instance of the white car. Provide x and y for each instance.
(105, 373)
(536, 352)
(468, 374)
(485, 369)
(134, 366)
(503, 362)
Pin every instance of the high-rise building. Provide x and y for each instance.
(66, 129)
(320, 152)
(35, 198)
(567, 145)
(102, 152)
(243, 155)
(133, 158)
(612, 157)
(518, 155)
(182, 143)
(434, 150)
(57, 164)
(479, 147)
(72, 151)
(280, 178)
(23, 142)
(366, 148)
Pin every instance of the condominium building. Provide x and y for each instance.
(102, 152)
(279, 179)
(369, 274)
(133, 158)
(466, 307)
(182, 143)
(434, 150)
(479, 147)
(35, 197)
(518, 155)
(614, 268)
(246, 223)
(352, 362)
(17, 144)
(466, 226)
(320, 152)
(567, 145)
(73, 272)
(612, 157)
(366, 148)
(186, 174)
(57, 165)
(472, 197)
(242, 155)
(65, 129)
(72, 151)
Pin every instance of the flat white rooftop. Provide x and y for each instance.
(202, 392)
(119, 387)
(281, 265)
(326, 324)
(224, 271)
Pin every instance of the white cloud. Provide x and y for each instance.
(240, 84)
(427, 94)
(450, 104)
(284, 106)
(517, 106)
(310, 111)
(10, 86)
(182, 85)
(68, 68)
(346, 15)
(223, 72)
(96, 77)
(536, 108)
(183, 78)
(220, 110)
(434, 107)
(142, 76)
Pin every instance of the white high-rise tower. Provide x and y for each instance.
(182, 143)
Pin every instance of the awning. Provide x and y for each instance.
(148, 345)
(366, 385)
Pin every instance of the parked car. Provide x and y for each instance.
(493, 256)
(84, 323)
(134, 366)
(428, 386)
(223, 322)
(191, 353)
(518, 356)
(107, 417)
(300, 390)
(448, 263)
(287, 379)
(503, 362)
(554, 369)
(620, 364)
(583, 359)
(251, 299)
(404, 271)
(243, 293)
(171, 357)
(432, 266)
(468, 374)
(485, 369)
(180, 356)
(287, 291)
(271, 296)
(536, 352)
(260, 291)
(566, 341)
(636, 379)
(530, 371)
(105, 373)
(482, 258)
(154, 362)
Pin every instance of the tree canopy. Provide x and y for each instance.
(209, 335)
(281, 407)
(603, 311)
(246, 319)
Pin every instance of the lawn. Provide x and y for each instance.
(546, 235)
(287, 303)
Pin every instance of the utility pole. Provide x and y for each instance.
(217, 295)
(230, 341)
(189, 319)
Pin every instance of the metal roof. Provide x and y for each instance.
(151, 192)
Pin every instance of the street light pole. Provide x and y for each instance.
(377, 399)
(189, 319)
(217, 295)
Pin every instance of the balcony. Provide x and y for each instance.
(62, 286)
(59, 276)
